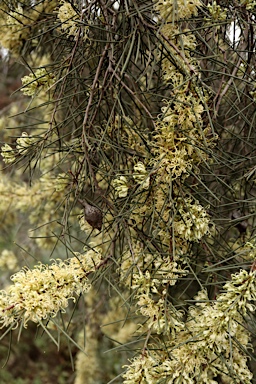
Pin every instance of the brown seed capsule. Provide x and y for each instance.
(92, 215)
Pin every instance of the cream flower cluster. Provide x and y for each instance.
(140, 371)
(24, 143)
(68, 17)
(208, 347)
(250, 4)
(204, 345)
(176, 148)
(14, 29)
(140, 176)
(16, 25)
(180, 135)
(177, 10)
(8, 154)
(216, 11)
(120, 185)
(194, 220)
(45, 290)
(150, 287)
(39, 80)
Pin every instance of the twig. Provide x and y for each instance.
(233, 74)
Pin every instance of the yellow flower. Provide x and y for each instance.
(40, 80)
(68, 18)
(120, 186)
(8, 154)
(45, 290)
(141, 175)
(24, 142)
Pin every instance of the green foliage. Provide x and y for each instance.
(128, 184)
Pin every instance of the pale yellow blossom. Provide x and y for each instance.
(216, 11)
(8, 154)
(140, 175)
(45, 290)
(120, 185)
(194, 221)
(68, 17)
(39, 80)
(24, 143)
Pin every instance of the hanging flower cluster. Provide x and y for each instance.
(45, 290)
(210, 343)
(38, 81)
(204, 345)
(16, 24)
